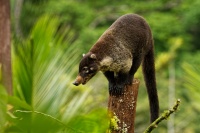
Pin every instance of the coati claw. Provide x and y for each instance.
(116, 89)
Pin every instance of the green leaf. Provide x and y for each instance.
(37, 122)
(95, 121)
(192, 82)
(44, 65)
(16, 102)
(3, 107)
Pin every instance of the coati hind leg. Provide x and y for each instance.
(135, 65)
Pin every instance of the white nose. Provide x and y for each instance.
(76, 83)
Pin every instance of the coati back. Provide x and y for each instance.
(118, 53)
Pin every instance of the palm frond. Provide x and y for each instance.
(43, 68)
(44, 65)
(192, 82)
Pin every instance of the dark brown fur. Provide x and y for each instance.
(118, 53)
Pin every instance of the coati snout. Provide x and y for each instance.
(78, 80)
(87, 69)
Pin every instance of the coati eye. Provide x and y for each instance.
(85, 69)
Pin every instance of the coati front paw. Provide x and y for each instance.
(116, 89)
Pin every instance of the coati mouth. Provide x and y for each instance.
(85, 81)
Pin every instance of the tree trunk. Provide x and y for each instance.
(122, 109)
(5, 54)
(17, 13)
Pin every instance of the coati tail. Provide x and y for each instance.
(148, 67)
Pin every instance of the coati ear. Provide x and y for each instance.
(83, 54)
(93, 56)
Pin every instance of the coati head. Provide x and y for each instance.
(88, 67)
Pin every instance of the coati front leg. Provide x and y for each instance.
(122, 79)
(117, 82)
(111, 81)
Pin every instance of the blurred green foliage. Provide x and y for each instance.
(53, 36)
(3, 109)
(192, 85)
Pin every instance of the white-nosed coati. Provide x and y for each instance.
(118, 53)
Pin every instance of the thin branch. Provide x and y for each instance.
(164, 116)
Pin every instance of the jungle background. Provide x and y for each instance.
(48, 38)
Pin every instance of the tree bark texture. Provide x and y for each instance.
(17, 14)
(5, 54)
(122, 109)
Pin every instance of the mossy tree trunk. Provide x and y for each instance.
(122, 109)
